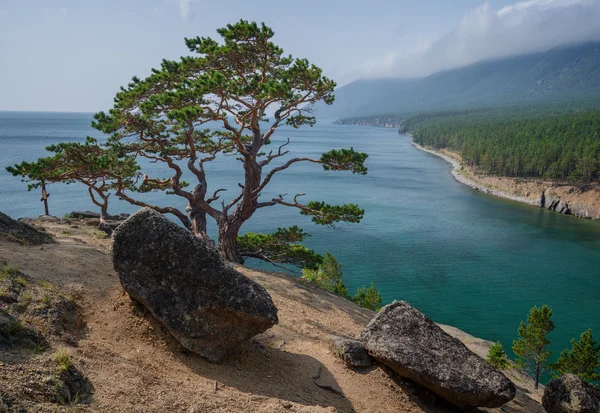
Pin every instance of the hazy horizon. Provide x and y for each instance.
(68, 56)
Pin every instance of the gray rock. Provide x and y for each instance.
(22, 232)
(570, 394)
(208, 306)
(408, 342)
(352, 352)
(94, 215)
(82, 214)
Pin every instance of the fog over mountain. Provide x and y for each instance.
(562, 74)
(484, 33)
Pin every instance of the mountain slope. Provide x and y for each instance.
(560, 74)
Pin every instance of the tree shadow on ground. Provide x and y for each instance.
(260, 370)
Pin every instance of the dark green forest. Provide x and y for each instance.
(552, 143)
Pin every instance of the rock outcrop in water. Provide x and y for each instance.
(570, 394)
(405, 340)
(208, 306)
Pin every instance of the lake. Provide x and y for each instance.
(462, 257)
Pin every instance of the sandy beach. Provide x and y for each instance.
(467, 179)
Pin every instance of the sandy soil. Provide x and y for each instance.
(135, 366)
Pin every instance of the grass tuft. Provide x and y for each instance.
(62, 360)
(25, 298)
(47, 285)
(6, 270)
(99, 234)
(46, 300)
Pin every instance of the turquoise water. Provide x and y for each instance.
(463, 258)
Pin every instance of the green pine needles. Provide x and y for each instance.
(282, 247)
(368, 297)
(582, 359)
(230, 97)
(497, 357)
(531, 348)
(328, 276)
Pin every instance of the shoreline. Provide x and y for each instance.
(471, 183)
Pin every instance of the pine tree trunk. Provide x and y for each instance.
(103, 225)
(198, 223)
(228, 242)
(537, 375)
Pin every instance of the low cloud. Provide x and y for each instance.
(185, 9)
(484, 33)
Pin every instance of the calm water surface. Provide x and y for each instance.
(462, 257)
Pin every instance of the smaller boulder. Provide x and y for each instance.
(570, 394)
(404, 339)
(352, 352)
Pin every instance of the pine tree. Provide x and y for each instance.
(368, 297)
(328, 275)
(497, 357)
(229, 99)
(583, 360)
(532, 346)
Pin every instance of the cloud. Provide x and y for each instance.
(484, 33)
(185, 8)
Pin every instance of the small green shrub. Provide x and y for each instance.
(497, 357)
(328, 275)
(21, 281)
(368, 297)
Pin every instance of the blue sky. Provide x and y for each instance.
(68, 55)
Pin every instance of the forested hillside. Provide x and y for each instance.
(558, 75)
(517, 142)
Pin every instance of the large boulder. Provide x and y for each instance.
(408, 342)
(208, 306)
(570, 394)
